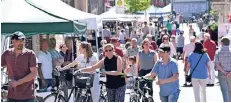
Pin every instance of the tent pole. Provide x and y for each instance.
(96, 39)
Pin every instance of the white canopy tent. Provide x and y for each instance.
(111, 15)
(59, 8)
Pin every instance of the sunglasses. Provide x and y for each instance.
(108, 50)
(165, 38)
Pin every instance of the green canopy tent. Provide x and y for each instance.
(18, 15)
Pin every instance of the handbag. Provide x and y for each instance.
(189, 77)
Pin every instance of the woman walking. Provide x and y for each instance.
(198, 63)
(113, 65)
(85, 59)
(145, 62)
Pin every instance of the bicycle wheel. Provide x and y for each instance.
(54, 97)
(82, 99)
(134, 98)
(144, 99)
(150, 99)
(102, 99)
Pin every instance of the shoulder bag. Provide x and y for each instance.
(189, 77)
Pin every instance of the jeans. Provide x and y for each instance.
(171, 98)
(25, 100)
(199, 88)
(212, 71)
(225, 84)
(149, 83)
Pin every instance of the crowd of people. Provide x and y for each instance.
(146, 51)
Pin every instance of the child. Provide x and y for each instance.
(131, 70)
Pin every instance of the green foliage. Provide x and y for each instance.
(137, 5)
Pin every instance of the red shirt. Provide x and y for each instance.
(153, 45)
(119, 51)
(18, 67)
(210, 46)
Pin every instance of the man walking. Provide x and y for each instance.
(210, 47)
(223, 64)
(166, 69)
(21, 67)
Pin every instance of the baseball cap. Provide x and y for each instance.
(192, 37)
(164, 48)
(149, 36)
(181, 32)
(18, 36)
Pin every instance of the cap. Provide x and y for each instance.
(192, 37)
(149, 36)
(207, 35)
(17, 36)
(181, 32)
(164, 48)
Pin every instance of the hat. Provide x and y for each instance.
(149, 36)
(181, 32)
(17, 36)
(164, 48)
(192, 37)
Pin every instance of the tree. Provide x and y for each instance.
(137, 5)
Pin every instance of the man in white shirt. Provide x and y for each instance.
(44, 66)
(106, 34)
(152, 30)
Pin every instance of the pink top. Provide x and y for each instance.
(188, 49)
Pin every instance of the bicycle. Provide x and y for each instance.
(81, 91)
(135, 92)
(103, 91)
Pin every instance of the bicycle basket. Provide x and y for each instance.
(83, 80)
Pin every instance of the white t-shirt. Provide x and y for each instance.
(173, 26)
(83, 61)
(46, 61)
(188, 49)
(121, 36)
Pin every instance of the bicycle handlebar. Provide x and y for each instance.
(137, 77)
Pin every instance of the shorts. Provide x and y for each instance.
(179, 50)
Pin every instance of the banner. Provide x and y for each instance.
(120, 9)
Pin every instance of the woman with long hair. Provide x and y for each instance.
(115, 83)
(86, 59)
(145, 62)
(198, 63)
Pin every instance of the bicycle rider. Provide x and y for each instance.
(21, 67)
(166, 69)
(145, 62)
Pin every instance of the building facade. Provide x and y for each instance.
(223, 8)
(90, 6)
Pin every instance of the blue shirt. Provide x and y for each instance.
(201, 71)
(180, 41)
(165, 72)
